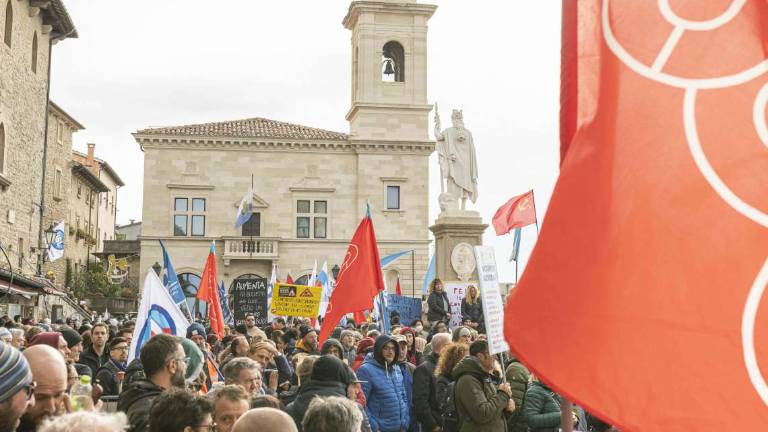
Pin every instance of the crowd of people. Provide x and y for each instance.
(275, 378)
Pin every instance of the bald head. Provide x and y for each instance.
(48, 367)
(50, 372)
(439, 341)
(266, 420)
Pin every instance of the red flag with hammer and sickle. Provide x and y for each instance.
(518, 212)
(643, 298)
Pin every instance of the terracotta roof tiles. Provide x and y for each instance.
(248, 128)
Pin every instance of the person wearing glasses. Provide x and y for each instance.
(16, 388)
(181, 411)
(165, 368)
(107, 375)
(50, 394)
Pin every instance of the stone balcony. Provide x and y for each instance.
(250, 248)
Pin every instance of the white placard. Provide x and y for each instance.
(456, 292)
(493, 307)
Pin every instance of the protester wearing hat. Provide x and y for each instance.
(52, 339)
(330, 377)
(196, 333)
(364, 347)
(75, 344)
(108, 375)
(307, 341)
(462, 335)
(16, 387)
(385, 389)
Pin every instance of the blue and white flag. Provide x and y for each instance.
(56, 247)
(170, 279)
(515, 245)
(325, 279)
(228, 318)
(158, 313)
(389, 258)
(270, 286)
(245, 210)
(380, 306)
(429, 276)
(313, 276)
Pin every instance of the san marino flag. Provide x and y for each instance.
(158, 313)
(245, 210)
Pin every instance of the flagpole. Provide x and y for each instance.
(251, 246)
(413, 272)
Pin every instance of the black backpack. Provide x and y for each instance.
(447, 405)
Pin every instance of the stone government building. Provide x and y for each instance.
(310, 185)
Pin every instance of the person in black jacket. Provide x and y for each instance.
(107, 376)
(439, 305)
(472, 310)
(164, 364)
(330, 377)
(96, 355)
(425, 405)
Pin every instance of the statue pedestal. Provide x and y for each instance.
(454, 228)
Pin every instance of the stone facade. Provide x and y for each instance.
(208, 168)
(105, 206)
(61, 127)
(26, 33)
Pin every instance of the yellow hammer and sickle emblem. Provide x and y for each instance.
(524, 204)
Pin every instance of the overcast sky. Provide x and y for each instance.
(143, 63)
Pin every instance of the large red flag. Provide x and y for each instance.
(209, 293)
(398, 290)
(518, 212)
(643, 299)
(360, 278)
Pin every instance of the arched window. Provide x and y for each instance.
(2, 148)
(34, 53)
(303, 280)
(8, 23)
(190, 282)
(393, 62)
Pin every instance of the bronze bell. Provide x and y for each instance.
(388, 69)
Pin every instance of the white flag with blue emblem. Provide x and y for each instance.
(245, 210)
(56, 247)
(158, 313)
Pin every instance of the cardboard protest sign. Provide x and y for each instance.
(456, 292)
(296, 300)
(409, 308)
(249, 295)
(493, 307)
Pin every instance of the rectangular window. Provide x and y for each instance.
(198, 225)
(252, 227)
(312, 219)
(189, 216)
(180, 204)
(180, 225)
(57, 184)
(198, 204)
(320, 223)
(393, 197)
(302, 227)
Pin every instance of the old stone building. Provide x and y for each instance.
(310, 185)
(28, 30)
(61, 127)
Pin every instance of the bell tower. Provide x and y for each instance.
(389, 70)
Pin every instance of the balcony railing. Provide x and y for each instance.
(250, 248)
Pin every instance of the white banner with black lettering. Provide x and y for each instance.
(493, 307)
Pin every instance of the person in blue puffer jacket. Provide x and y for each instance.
(384, 387)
